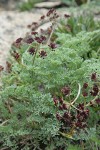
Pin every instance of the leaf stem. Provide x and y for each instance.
(79, 90)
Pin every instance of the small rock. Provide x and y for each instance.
(48, 4)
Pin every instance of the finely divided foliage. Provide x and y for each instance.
(50, 94)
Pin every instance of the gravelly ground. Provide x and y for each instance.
(13, 24)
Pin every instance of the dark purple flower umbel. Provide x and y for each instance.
(84, 93)
(31, 51)
(34, 33)
(16, 55)
(85, 85)
(65, 90)
(38, 39)
(51, 11)
(98, 101)
(93, 76)
(66, 15)
(55, 100)
(64, 106)
(58, 116)
(42, 54)
(43, 38)
(95, 90)
(19, 40)
(29, 40)
(52, 46)
(42, 17)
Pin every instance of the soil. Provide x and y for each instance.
(13, 24)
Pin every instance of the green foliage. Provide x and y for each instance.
(75, 24)
(78, 2)
(27, 109)
(28, 5)
(69, 2)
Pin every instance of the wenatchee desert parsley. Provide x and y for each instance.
(52, 103)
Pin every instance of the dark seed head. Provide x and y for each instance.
(98, 101)
(16, 55)
(29, 40)
(55, 100)
(66, 115)
(31, 51)
(65, 90)
(85, 94)
(66, 15)
(64, 106)
(38, 39)
(52, 46)
(81, 106)
(19, 40)
(42, 17)
(42, 53)
(43, 38)
(61, 100)
(93, 76)
(85, 85)
(34, 33)
(50, 12)
(61, 107)
(58, 116)
(94, 90)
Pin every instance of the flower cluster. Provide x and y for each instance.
(82, 116)
(94, 90)
(51, 11)
(29, 40)
(34, 33)
(77, 117)
(85, 85)
(19, 40)
(16, 55)
(59, 102)
(65, 90)
(98, 101)
(66, 15)
(31, 50)
(37, 38)
(40, 39)
(84, 92)
(52, 15)
(33, 26)
(52, 46)
(42, 17)
(93, 76)
(42, 54)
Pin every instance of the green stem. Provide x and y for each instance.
(53, 28)
(38, 46)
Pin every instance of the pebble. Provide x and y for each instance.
(48, 4)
